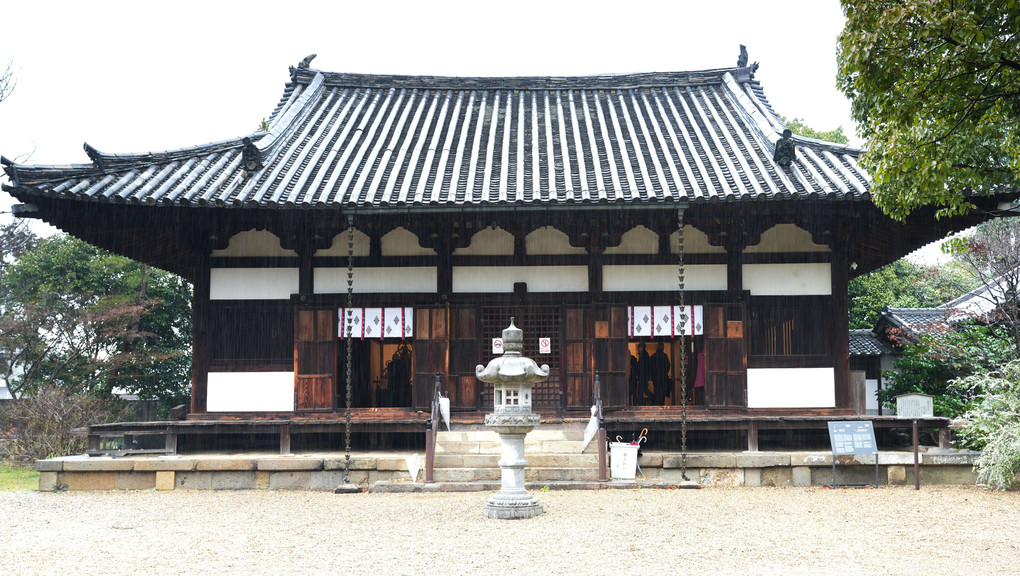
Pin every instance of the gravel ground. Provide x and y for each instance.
(939, 530)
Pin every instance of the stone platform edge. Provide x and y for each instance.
(388, 472)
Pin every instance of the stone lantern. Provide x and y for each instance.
(512, 376)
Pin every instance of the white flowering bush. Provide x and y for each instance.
(993, 425)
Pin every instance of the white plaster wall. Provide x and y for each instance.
(250, 392)
(488, 242)
(420, 279)
(539, 278)
(695, 242)
(403, 242)
(788, 279)
(637, 240)
(339, 246)
(791, 388)
(252, 283)
(549, 240)
(786, 238)
(257, 243)
(662, 277)
(871, 395)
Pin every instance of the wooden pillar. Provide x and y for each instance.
(838, 318)
(734, 269)
(752, 436)
(285, 439)
(200, 336)
(594, 271)
(306, 271)
(444, 271)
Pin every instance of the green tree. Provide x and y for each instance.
(903, 284)
(935, 90)
(797, 126)
(930, 365)
(89, 321)
(991, 256)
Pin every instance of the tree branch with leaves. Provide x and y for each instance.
(935, 88)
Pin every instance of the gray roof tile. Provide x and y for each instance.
(380, 141)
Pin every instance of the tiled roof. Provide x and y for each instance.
(865, 343)
(917, 321)
(369, 141)
(982, 302)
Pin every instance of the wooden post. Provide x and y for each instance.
(603, 468)
(430, 436)
(917, 467)
(752, 436)
(171, 441)
(285, 439)
(603, 474)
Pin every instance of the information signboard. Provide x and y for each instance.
(852, 437)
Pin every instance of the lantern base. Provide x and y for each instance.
(512, 506)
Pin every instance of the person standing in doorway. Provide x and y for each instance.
(659, 371)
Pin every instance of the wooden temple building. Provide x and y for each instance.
(455, 203)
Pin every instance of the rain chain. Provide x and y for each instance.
(683, 342)
(349, 320)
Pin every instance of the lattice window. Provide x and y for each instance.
(536, 322)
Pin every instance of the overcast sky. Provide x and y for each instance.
(138, 76)
(142, 76)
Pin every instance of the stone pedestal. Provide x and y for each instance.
(513, 501)
(512, 376)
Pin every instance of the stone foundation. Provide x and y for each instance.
(481, 471)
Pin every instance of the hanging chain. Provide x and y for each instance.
(348, 321)
(683, 342)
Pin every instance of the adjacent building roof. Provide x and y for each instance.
(370, 141)
(866, 343)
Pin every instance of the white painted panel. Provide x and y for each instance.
(254, 243)
(403, 242)
(791, 388)
(250, 392)
(786, 238)
(871, 395)
(788, 279)
(501, 279)
(549, 240)
(662, 277)
(252, 283)
(489, 242)
(420, 279)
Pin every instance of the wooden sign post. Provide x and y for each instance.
(915, 406)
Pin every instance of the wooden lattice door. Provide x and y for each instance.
(726, 353)
(536, 322)
(315, 348)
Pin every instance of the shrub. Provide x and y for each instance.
(993, 425)
(931, 364)
(41, 425)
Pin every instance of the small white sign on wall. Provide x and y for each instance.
(497, 345)
(914, 406)
(545, 345)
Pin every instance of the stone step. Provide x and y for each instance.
(588, 474)
(539, 434)
(449, 461)
(545, 447)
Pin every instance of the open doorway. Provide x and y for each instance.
(381, 373)
(654, 377)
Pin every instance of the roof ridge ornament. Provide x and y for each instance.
(786, 151)
(95, 156)
(251, 158)
(304, 64)
(742, 62)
